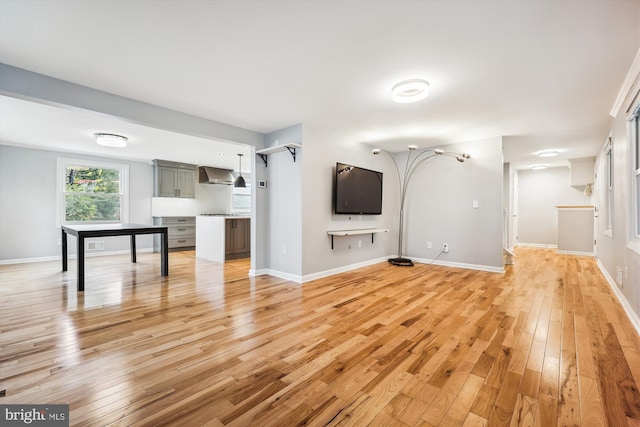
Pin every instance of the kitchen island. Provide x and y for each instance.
(220, 237)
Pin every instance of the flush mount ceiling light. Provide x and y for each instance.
(111, 140)
(548, 153)
(410, 91)
(538, 167)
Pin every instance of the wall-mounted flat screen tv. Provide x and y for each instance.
(357, 191)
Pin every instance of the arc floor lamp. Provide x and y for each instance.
(410, 167)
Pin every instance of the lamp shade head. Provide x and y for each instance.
(239, 182)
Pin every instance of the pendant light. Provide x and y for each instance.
(239, 182)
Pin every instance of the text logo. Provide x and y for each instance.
(34, 415)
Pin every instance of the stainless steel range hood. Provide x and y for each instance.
(209, 175)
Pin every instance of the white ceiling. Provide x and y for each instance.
(544, 74)
(30, 124)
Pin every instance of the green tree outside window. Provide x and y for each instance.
(92, 194)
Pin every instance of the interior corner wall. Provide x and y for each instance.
(612, 249)
(539, 192)
(439, 207)
(323, 150)
(284, 208)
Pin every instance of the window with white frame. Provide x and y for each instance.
(608, 151)
(92, 192)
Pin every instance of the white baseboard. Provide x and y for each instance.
(275, 273)
(344, 269)
(537, 245)
(488, 268)
(633, 317)
(70, 256)
(314, 276)
(29, 260)
(575, 253)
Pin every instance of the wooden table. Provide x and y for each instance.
(107, 230)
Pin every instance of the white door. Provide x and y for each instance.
(595, 198)
(514, 219)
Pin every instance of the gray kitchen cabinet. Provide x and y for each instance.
(181, 230)
(237, 238)
(172, 179)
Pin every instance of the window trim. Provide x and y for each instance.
(61, 165)
(236, 195)
(608, 185)
(634, 172)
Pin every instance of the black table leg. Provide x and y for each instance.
(133, 248)
(64, 250)
(164, 253)
(80, 263)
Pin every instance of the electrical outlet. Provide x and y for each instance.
(428, 245)
(445, 247)
(359, 243)
(284, 249)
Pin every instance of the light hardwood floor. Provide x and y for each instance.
(544, 344)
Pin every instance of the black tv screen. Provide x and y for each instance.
(357, 191)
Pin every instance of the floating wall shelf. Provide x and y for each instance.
(291, 147)
(371, 231)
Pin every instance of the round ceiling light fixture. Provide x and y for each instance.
(410, 91)
(539, 167)
(111, 140)
(548, 153)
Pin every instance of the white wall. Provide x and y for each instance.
(28, 204)
(440, 207)
(442, 192)
(322, 150)
(540, 191)
(615, 251)
(284, 208)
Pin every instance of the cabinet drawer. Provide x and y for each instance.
(179, 220)
(180, 242)
(181, 231)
